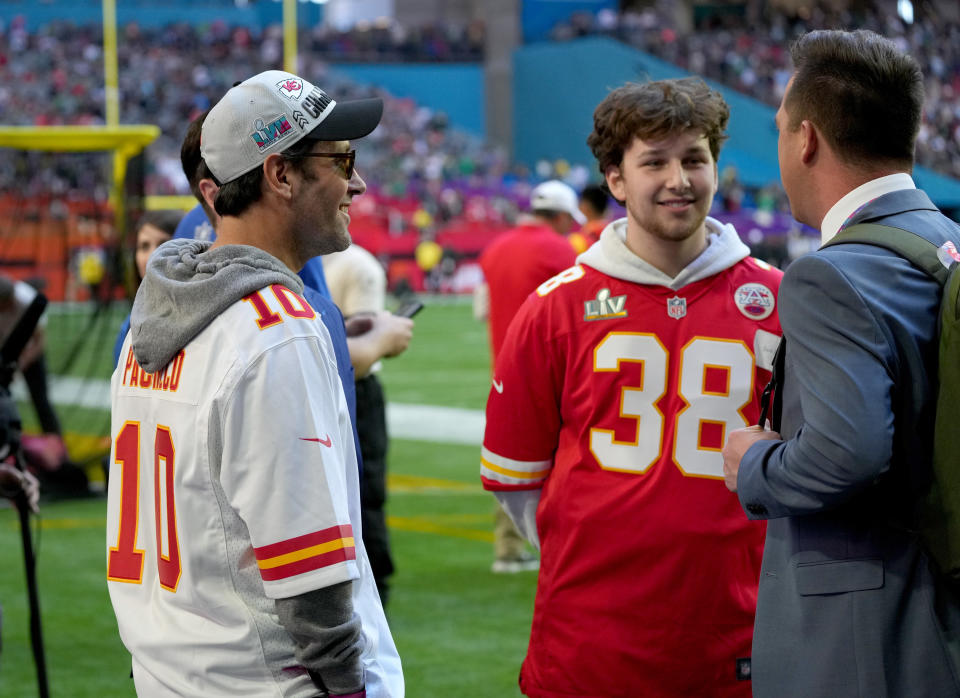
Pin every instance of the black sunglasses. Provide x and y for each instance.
(345, 161)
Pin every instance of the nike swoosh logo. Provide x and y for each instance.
(497, 385)
(328, 442)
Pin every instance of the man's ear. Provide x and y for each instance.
(208, 190)
(615, 183)
(809, 141)
(278, 176)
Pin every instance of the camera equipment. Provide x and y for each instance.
(10, 445)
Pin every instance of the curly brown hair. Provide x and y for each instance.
(654, 110)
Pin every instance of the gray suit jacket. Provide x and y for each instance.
(848, 604)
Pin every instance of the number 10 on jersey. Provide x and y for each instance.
(125, 560)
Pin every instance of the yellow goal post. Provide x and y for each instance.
(126, 142)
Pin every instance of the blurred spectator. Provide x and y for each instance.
(730, 190)
(358, 284)
(514, 264)
(154, 229)
(594, 202)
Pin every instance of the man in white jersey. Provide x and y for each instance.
(235, 560)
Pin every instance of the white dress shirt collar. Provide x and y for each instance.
(858, 198)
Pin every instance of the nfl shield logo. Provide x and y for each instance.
(677, 307)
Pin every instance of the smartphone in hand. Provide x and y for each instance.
(409, 309)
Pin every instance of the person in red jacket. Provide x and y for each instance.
(513, 265)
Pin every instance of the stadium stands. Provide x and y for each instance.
(751, 56)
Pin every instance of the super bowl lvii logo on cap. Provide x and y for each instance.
(266, 135)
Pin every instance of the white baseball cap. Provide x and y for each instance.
(270, 112)
(554, 195)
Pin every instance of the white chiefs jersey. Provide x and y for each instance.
(234, 482)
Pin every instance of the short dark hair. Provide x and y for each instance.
(163, 219)
(191, 160)
(238, 195)
(597, 198)
(863, 93)
(654, 110)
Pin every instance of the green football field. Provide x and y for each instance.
(461, 630)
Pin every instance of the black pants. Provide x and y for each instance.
(372, 430)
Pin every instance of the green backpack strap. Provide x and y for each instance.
(917, 250)
(938, 518)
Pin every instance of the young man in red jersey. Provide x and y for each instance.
(616, 385)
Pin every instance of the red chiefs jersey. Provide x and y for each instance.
(516, 263)
(615, 398)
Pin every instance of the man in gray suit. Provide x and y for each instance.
(849, 603)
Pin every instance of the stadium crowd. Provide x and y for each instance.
(750, 54)
(424, 175)
(169, 75)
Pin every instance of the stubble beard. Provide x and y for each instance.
(674, 232)
(337, 241)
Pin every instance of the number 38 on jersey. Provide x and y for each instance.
(715, 382)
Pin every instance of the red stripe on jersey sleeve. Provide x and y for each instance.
(307, 540)
(309, 564)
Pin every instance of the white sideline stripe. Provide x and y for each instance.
(449, 425)
(65, 390)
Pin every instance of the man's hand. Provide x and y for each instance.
(737, 444)
(14, 481)
(385, 335)
(393, 332)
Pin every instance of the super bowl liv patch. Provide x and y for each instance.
(755, 301)
(604, 307)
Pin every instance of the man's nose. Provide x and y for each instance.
(677, 176)
(356, 185)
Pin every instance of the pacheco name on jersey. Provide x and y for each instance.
(166, 379)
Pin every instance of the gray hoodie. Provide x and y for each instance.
(187, 285)
(611, 256)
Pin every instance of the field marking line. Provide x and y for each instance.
(449, 425)
(423, 525)
(417, 484)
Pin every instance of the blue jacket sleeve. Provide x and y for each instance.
(118, 345)
(841, 367)
(313, 277)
